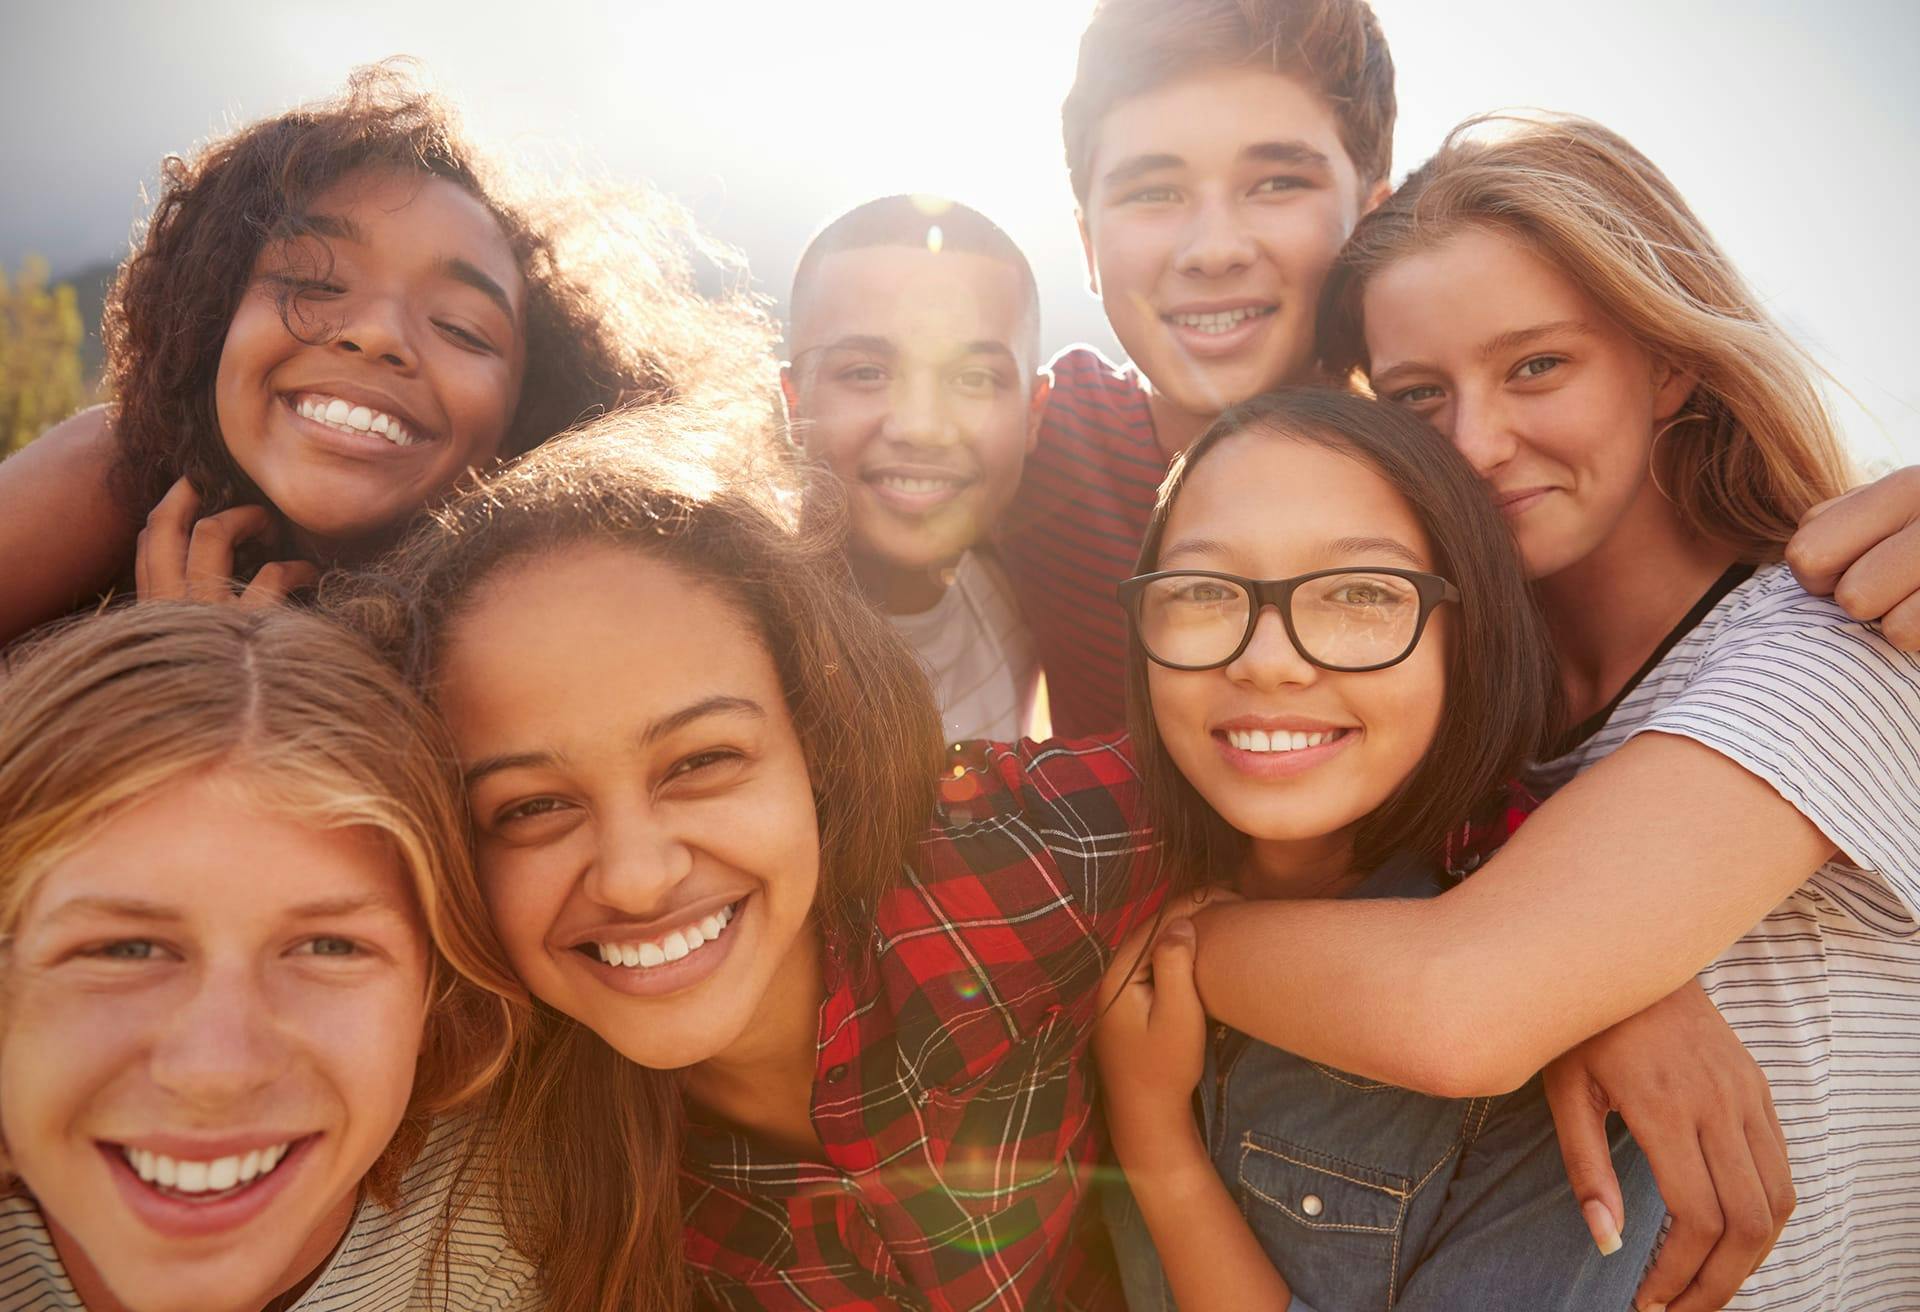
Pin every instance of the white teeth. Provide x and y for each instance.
(671, 947)
(210, 1177)
(1222, 320)
(900, 483)
(1259, 740)
(346, 416)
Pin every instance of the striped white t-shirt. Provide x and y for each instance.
(978, 654)
(381, 1265)
(1825, 991)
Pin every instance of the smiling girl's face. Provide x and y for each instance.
(416, 308)
(647, 842)
(212, 1018)
(1553, 404)
(1266, 506)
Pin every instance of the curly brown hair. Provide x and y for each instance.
(614, 314)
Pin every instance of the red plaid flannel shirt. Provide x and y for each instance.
(952, 1088)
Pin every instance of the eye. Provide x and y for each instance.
(1538, 366)
(329, 946)
(1204, 592)
(1281, 182)
(1158, 193)
(1417, 395)
(863, 375)
(703, 761)
(126, 949)
(472, 341)
(977, 380)
(527, 809)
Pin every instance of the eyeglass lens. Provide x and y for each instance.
(1353, 618)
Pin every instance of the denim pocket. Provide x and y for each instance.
(1331, 1226)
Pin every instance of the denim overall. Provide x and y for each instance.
(1368, 1196)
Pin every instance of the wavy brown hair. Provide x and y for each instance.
(1755, 446)
(613, 311)
(100, 712)
(589, 1140)
(1502, 688)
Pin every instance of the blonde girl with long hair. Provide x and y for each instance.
(1748, 756)
(244, 993)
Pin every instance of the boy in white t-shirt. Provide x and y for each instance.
(914, 332)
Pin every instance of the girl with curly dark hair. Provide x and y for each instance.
(333, 314)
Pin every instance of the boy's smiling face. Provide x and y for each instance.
(913, 379)
(1216, 206)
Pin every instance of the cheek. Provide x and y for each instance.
(524, 892)
(62, 1051)
(482, 395)
(368, 1042)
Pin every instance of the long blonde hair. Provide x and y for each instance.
(102, 711)
(1754, 447)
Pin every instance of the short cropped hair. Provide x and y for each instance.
(1335, 46)
(928, 222)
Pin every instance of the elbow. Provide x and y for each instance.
(1452, 1067)
(1455, 1041)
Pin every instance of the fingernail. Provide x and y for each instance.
(1654, 1307)
(1606, 1236)
(1180, 931)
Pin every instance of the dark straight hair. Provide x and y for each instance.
(1503, 692)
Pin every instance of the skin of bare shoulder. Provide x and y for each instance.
(64, 536)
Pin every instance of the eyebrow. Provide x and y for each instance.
(1285, 152)
(1376, 546)
(669, 724)
(1191, 547)
(882, 346)
(1135, 165)
(131, 908)
(463, 271)
(1522, 336)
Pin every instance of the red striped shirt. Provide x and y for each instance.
(1074, 532)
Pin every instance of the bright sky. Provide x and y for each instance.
(1792, 125)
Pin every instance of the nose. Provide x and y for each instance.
(639, 862)
(1270, 659)
(376, 326)
(1481, 430)
(1216, 241)
(223, 1044)
(918, 413)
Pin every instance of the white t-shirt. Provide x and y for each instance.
(1825, 991)
(380, 1265)
(979, 655)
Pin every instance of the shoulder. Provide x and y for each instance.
(1778, 635)
(1091, 392)
(31, 1274)
(1084, 787)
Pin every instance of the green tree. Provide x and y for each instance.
(41, 378)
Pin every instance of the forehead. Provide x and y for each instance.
(1476, 284)
(586, 646)
(419, 216)
(1274, 504)
(207, 849)
(909, 294)
(1210, 117)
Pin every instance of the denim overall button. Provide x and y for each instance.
(1312, 1205)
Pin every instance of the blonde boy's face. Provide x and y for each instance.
(913, 381)
(1217, 204)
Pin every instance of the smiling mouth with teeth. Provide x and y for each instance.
(673, 946)
(1222, 321)
(350, 418)
(1279, 740)
(204, 1181)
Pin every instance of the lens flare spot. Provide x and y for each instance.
(935, 239)
(967, 989)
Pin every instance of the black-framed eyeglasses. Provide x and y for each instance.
(1349, 620)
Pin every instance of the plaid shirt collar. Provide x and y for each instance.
(951, 1091)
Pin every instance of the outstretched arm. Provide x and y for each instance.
(64, 537)
(1623, 886)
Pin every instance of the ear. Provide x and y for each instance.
(1375, 194)
(1086, 247)
(1673, 387)
(789, 392)
(1037, 406)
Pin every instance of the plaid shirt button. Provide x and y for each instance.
(837, 1072)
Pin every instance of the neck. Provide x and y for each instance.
(1173, 428)
(1610, 609)
(897, 589)
(763, 1082)
(286, 1289)
(1280, 869)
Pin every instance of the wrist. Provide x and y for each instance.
(1166, 1139)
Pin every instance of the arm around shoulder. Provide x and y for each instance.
(64, 536)
(1627, 883)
